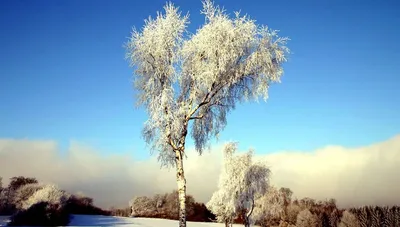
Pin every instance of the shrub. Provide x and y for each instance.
(80, 204)
(24, 193)
(348, 220)
(292, 212)
(166, 206)
(200, 213)
(49, 193)
(143, 206)
(334, 218)
(306, 219)
(41, 214)
(120, 212)
(17, 182)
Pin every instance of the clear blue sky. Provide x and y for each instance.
(63, 75)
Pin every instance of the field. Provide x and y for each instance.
(99, 220)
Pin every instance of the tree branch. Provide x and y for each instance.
(207, 98)
(196, 117)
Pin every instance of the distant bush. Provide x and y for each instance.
(7, 194)
(41, 214)
(373, 216)
(24, 193)
(50, 194)
(348, 220)
(17, 182)
(121, 212)
(201, 213)
(292, 211)
(166, 206)
(80, 204)
(306, 219)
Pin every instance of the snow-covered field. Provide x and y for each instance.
(98, 220)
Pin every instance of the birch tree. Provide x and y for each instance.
(188, 83)
(241, 183)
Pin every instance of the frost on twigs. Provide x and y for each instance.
(241, 183)
(348, 220)
(269, 205)
(306, 219)
(24, 193)
(50, 194)
(200, 77)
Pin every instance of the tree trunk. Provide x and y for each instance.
(246, 215)
(246, 221)
(180, 179)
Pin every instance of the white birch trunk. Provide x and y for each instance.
(180, 179)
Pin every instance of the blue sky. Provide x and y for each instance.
(64, 77)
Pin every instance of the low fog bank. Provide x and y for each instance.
(354, 177)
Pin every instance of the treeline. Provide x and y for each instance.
(32, 203)
(304, 212)
(308, 212)
(29, 202)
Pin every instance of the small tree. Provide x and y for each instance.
(292, 211)
(270, 207)
(241, 183)
(348, 220)
(197, 79)
(306, 219)
(219, 207)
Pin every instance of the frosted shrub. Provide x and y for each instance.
(24, 193)
(292, 211)
(41, 214)
(49, 193)
(306, 219)
(45, 207)
(143, 206)
(348, 220)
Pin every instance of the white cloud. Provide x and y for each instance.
(359, 176)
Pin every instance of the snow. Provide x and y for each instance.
(3, 220)
(99, 220)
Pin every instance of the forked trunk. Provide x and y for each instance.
(180, 179)
(248, 214)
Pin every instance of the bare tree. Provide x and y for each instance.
(187, 79)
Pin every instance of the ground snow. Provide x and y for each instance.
(4, 220)
(99, 220)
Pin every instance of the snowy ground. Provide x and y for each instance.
(98, 220)
(3, 220)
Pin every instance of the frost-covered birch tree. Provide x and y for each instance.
(188, 83)
(241, 183)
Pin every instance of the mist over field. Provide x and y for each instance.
(353, 176)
